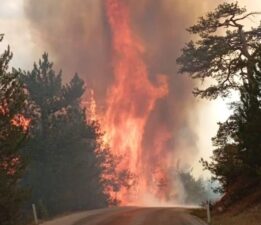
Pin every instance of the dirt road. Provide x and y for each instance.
(130, 216)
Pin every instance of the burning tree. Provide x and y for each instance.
(115, 179)
(13, 133)
(229, 54)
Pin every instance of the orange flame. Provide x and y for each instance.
(20, 121)
(130, 100)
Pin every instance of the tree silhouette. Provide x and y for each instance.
(13, 134)
(227, 56)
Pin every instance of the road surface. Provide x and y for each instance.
(130, 216)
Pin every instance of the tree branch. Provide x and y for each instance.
(247, 15)
(1, 37)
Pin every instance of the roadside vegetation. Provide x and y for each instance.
(249, 217)
(13, 136)
(51, 154)
(226, 57)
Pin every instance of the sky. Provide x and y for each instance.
(18, 35)
(15, 27)
(218, 111)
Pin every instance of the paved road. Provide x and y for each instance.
(130, 216)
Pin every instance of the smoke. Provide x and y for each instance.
(77, 33)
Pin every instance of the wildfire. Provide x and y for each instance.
(20, 121)
(90, 106)
(10, 165)
(130, 101)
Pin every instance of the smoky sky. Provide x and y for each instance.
(76, 34)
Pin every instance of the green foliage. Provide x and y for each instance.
(228, 57)
(64, 173)
(12, 137)
(225, 165)
(248, 115)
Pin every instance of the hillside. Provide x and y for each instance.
(244, 210)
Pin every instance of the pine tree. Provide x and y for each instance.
(65, 171)
(228, 54)
(13, 134)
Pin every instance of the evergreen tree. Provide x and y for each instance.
(195, 191)
(64, 173)
(228, 54)
(13, 134)
(114, 179)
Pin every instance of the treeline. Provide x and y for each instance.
(227, 55)
(50, 154)
(195, 190)
(64, 171)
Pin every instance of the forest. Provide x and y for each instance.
(54, 156)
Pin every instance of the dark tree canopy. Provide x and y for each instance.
(226, 51)
(228, 56)
(13, 134)
(114, 179)
(64, 171)
(70, 168)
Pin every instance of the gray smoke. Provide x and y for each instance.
(77, 35)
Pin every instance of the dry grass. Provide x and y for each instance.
(251, 217)
(244, 211)
(242, 219)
